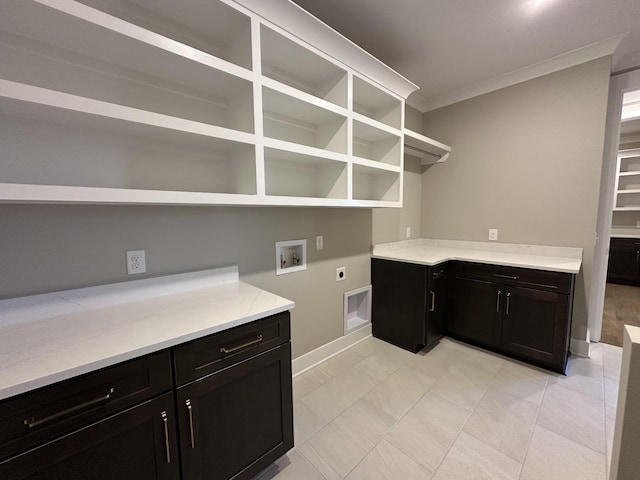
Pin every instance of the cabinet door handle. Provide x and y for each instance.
(250, 343)
(165, 420)
(438, 274)
(32, 422)
(190, 410)
(432, 308)
(508, 277)
(498, 301)
(508, 300)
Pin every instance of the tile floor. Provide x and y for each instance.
(378, 412)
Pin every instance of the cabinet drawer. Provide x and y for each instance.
(539, 279)
(37, 417)
(625, 243)
(215, 352)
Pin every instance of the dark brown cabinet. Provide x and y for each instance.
(521, 312)
(408, 303)
(226, 414)
(624, 261)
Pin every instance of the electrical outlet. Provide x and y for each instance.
(493, 234)
(341, 274)
(408, 232)
(136, 262)
(319, 242)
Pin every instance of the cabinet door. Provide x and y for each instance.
(475, 311)
(623, 263)
(436, 311)
(139, 443)
(535, 325)
(235, 422)
(399, 303)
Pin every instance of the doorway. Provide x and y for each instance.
(613, 304)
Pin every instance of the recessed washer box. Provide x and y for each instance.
(291, 256)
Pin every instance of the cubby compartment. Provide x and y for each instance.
(217, 29)
(373, 103)
(293, 120)
(55, 60)
(296, 66)
(630, 164)
(630, 181)
(295, 175)
(628, 200)
(68, 153)
(375, 144)
(375, 184)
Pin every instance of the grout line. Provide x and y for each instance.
(535, 424)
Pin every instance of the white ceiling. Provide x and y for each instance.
(456, 49)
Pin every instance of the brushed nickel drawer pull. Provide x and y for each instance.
(190, 410)
(498, 301)
(508, 277)
(226, 351)
(432, 308)
(32, 422)
(165, 420)
(508, 300)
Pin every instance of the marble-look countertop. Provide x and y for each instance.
(433, 252)
(52, 337)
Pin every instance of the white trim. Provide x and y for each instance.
(581, 348)
(309, 360)
(560, 62)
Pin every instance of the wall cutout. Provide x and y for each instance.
(291, 256)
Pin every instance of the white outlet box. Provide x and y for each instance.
(408, 232)
(319, 242)
(341, 274)
(136, 262)
(493, 234)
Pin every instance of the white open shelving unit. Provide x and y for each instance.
(627, 188)
(217, 102)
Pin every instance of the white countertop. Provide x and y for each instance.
(433, 252)
(52, 337)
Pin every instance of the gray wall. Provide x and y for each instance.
(526, 160)
(47, 248)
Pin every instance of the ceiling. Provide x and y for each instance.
(457, 49)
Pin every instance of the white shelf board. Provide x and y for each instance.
(430, 151)
(374, 124)
(374, 164)
(274, 85)
(58, 107)
(297, 108)
(305, 150)
(622, 192)
(626, 209)
(629, 174)
(63, 22)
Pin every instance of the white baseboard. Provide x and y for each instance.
(320, 354)
(580, 348)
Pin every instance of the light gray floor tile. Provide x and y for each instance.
(503, 422)
(583, 376)
(574, 415)
(306, 422)
(400, 391)
(367, 421)
(332, 398)
(341, 362)
(429, 429)
(307, 382)
(386, 462)
(335, 450)
(611, 387)
(612, 360)
(484, 359)
(464, 383)
(596, 353)
(293, 466)
(470, 459)
(383, 362)
(436, 362)
(521, 381)
(554, 457)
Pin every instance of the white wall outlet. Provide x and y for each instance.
(341, 274)
(136, 262)
(408, 232)
(493, 234)
(319, 242)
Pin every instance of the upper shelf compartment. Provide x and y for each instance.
(428, 150)
(373, 103)
(290, 63)
(217, 29)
